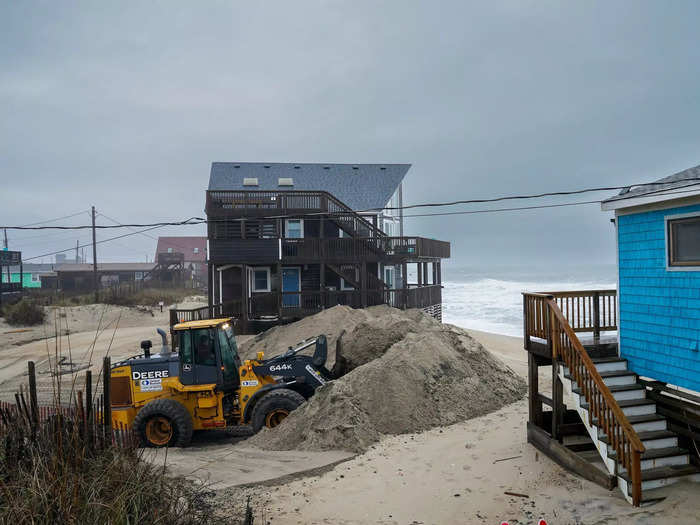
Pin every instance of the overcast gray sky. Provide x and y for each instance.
(124, 105)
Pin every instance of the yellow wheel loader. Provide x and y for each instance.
(201, 384)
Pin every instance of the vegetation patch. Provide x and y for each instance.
(24, 313)
(49, 473)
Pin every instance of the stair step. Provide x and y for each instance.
(672, 471)
(647, 436)
(627, 403)
(644, 418)
(613, 377)
(616, 388)
(656, 453)
(610, 373)
(608, 364)
(597, 360)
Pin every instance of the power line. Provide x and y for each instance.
(57, 218)
(90, 244)
(200, 220)
(471, 212)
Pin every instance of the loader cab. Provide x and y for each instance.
(208, 353)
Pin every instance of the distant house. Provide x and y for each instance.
(193, 249)
(79, 277)
(287, 240)
(30, 274)
(658, 248)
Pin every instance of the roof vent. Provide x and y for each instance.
(267, 165)
(326, 167)
(383, 168)
(250, 181)
(297, 167)
(355, 168)
(285, 181)
(237, 166)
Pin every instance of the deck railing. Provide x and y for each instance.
(251, 203)
(363, 248)
(272, 304)
(544, 319)
(585, 311)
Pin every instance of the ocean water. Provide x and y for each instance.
(490, 299)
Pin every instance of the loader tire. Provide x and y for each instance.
(164, 423)
(274, 407)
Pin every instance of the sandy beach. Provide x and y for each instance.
(459, 474)
(454, 474)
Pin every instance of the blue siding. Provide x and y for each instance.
(659, 310)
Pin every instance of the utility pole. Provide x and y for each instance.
(77, 245)
(5, 244)
(94, 258)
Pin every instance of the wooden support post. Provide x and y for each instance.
(363, 284)
(34, 406)
(557, 401)
(210, 285)
(107, 397)
(88, 407)
(425, 273)
(439, 272)
(279, 301)
(244, 295)
(596, 317)
(404, 285)
(419, 269)
(534, 403)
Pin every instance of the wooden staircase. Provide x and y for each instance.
(635, 441)
(662, 462)
(349, 273)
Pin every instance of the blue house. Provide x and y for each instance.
(658, 251)
(635, 398)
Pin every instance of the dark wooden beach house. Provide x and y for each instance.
(288, 240)
(625, 363)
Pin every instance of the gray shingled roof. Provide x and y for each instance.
(360, 186)
(677, 180)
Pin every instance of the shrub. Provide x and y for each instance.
(50, 476)
(24, 313)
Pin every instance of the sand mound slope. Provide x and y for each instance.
(406, 373)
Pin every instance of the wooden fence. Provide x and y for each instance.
(85, 412)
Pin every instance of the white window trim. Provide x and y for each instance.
(667, 253)
(252, 279)
(345, 287)
(286, 227)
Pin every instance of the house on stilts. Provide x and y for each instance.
(625, 364)
(289, 240)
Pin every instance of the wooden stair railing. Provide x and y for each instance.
(601, 404)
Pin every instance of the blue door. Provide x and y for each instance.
(291, 282)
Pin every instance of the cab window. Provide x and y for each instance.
(229, 353)
(204, 347)
(185, 347)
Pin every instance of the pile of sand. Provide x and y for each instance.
(404, 372)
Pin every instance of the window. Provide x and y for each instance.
(260, 279)
(35, 278)
(683, 236)
(204, 347)
(295, 228)
(345, 286)
(196, 250)
(170, 250)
